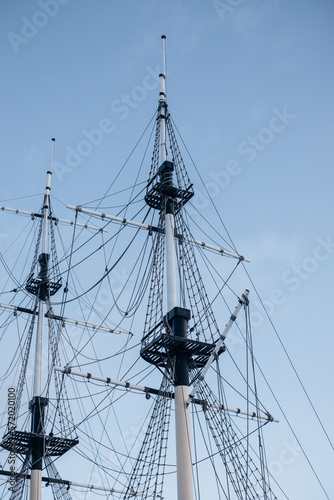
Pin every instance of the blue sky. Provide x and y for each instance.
(250, 87)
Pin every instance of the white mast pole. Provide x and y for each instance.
(162, 102)
(169, 218)
(38, 413)
(41, 303)
(182, 409)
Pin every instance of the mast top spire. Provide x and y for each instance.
(164, 55)
(46, 205)
(162, 76)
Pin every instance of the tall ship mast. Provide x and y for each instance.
(124, 380)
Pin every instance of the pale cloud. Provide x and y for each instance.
(246, 21)
(31, 154)
(246, 16)
(271, 247)
(186, 30)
